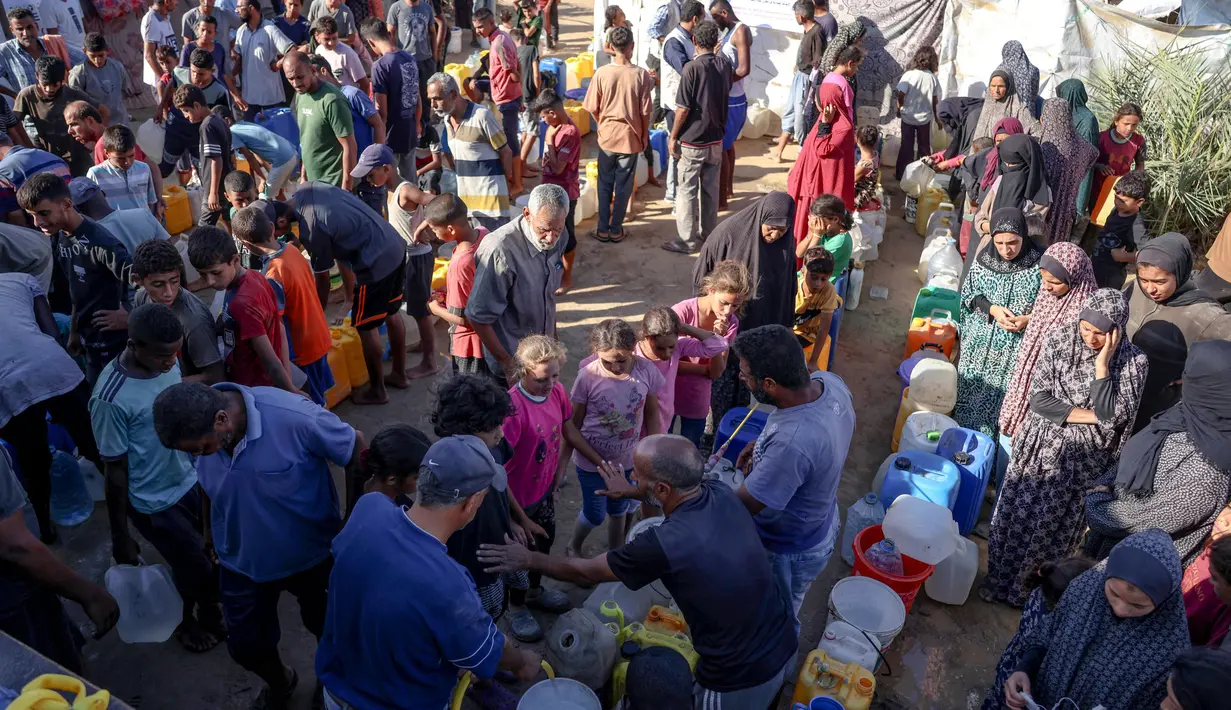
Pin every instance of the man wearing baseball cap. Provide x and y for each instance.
(377, 166)
(403, 617)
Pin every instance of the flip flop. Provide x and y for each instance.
(614, 239)
(600, 237)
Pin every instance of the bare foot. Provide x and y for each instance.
(368, 395)
(398, 381)
(423, 369)
(516, 191)
(192, 637)
(565, 287)
(653, 181)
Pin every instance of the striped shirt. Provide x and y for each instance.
(125, 189)
(475, 144)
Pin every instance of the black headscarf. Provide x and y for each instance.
(1027, 179)
(1163, 343)
(1204, 412)
(1174, 254)
(1013, 221)
(959, 116)
(772, 266)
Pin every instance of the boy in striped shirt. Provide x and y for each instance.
(127, 182)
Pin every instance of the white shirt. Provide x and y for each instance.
(35, 6)
(157, 29)
(919, 86)
(66, 16)
(261, 85)
(344, 63)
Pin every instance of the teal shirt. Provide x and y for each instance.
(122, 415)
(841, 246)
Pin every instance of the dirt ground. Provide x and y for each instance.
(945, 656)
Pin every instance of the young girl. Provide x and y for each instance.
(917, 94)
(868, 169)
(614, 395)
(1051, 580)
(391, 463)
(540, 429)
(815, 303)
(1121, 148)
(723, 293)
(661, 344)
(829, 225)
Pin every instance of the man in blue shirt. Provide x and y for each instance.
(263, 459)
(403, 617)
(17, 164)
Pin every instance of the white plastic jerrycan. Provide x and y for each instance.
(953, 578)
(150, 607)
(921, 529)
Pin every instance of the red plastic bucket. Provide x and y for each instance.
(907, 584)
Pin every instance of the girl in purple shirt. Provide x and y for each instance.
(662, 345)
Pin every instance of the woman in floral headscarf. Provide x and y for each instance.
(1025, 75)
(1068, 159)
(1084, 395)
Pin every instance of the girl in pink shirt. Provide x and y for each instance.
(723, 293)
(661, 344)
(614, 395)
(540, 429)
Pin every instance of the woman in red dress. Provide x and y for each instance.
(826, 163)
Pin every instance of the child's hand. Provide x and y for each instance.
(829, 113)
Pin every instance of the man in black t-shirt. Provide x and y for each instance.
(217, 159)
(707, 553)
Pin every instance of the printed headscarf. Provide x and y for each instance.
(1067, 158)
(1086, 127)
(1025, 75)
(1010, 127)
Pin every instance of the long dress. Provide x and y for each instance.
(1068, 159)
(1034, 614)
(1086, 126)
(1040, 514)
(989, 351)
(826, 164)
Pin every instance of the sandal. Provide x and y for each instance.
(617, 238)
(679, 246)
(599, 236)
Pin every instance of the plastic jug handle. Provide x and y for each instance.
(944, 314)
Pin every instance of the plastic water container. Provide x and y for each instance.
(455, 41)
(885, 557)
(953, 577)
(150, 608)
(759, 121)
(889, 150)
(747, 434)
(907, 368)
(587, 200)
(905, 585)
(947, 261)
(583, 648)
(641, 173)
(178, 217)
(658, 141)
(933, 298)
(935, 242)
(922, 431)
(943, 219)
(855, 288)
(922, 475)
(867, 605)
(459, 72)
(574, 72)
(863, 513)
(916, 178)
(906, 407)
(824, 678)
(71, 502)
(552, 65)
(847, 644)
(633, 605)
(151, 137)
(352, 348)
(929, 202)
(578, 115)
(921, 529)
(341, 376)
(974, 454)
(281, 121)
(935, 332)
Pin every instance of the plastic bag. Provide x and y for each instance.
(916, 178)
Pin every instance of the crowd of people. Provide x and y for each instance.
(193, 372)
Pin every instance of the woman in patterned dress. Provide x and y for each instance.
(1115, 635)
(1176, 473)
(1068, 159)
(1025, 75)
(1083, 397)
(997, 296)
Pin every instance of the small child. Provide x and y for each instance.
(429, 160)
(829, 225)
(1123, 233)
(530, 22)
(158, 272)
(304, 318)
(252, 334)
(868, 169)
(1121, 148)
(542, 434)
(917, 94)
(445, 215)
(723, 293)
(1050, 582)
(391, 465)
(106, 82)
(615, 396)
(126, 182)
(561, 162)
(659, 342)
(815, 302)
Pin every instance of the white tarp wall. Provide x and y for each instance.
(1064, 38)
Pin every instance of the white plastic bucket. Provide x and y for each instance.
(455, 41)
(559, 694)
(867, 605)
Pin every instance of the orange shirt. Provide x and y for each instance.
(307, 329)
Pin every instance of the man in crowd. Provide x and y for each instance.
(399, 94)
(156, 31)
(267, 541)
(795, 465)
(696, 138)
(737, 49)
(745, 650)
(326, 130)
(366, 120)
(411, 23)
(44, 104)
(478, 149)
(260, 48)
(335, 224)
(18, 164)
(294, 25)
(517, 270)
(505, 72)
(678, 50)
(226, 22)
(621, 98)
(404, 618)
(18, 55)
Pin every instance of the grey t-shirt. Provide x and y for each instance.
(200, 332)
(26, 251)
(105, 86)
(343, 16)
(228, 22)
(413, 23)
(335, 224)
(34, 367)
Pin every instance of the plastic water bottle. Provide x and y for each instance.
(854, 288)
(150, 607)
(885, 557)
(946, 263)
(71, 502)
(863, 514)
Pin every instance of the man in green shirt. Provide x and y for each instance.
(326, 130)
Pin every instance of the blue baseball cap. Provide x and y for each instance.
(372, 157)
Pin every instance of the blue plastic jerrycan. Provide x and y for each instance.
(974, 454)
(922, 475)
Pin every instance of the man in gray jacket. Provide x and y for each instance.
(517, 271)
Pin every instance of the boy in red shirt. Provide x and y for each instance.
(252, 333)
(445, 215)
(561, 158)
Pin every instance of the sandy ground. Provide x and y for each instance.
(945, 656)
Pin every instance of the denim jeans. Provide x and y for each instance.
(794, 572)
(793, 116)
(696, 211)
(692, 429)
(616, 172)
(672, 163)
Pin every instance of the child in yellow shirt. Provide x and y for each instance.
(815, 302)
